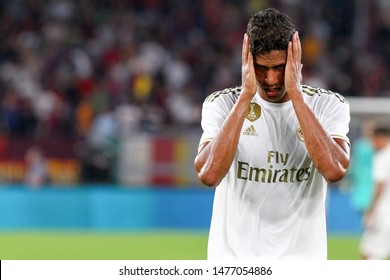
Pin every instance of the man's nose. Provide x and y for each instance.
(271, 77)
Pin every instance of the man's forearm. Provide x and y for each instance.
(329, 157)
(214, 160)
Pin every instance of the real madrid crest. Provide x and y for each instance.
(254, 112)
(300, 134)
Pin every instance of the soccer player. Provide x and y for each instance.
(360, 169)
(269, 146)
(375, 243)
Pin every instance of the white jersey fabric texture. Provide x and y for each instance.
(375, 242)
(271, 203)
(381, 173)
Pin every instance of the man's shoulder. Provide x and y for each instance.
(317, 92)
(227, 93)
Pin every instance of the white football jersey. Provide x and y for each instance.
(381, 167)
(271, 203)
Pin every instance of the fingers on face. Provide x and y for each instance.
(250, 57)
(296, 47)
(245, 47)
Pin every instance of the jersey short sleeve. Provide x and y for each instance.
(334, 112)
(336, 121)
(215, 110)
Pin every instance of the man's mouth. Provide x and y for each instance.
(272, 91)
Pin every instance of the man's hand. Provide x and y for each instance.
(293, 72)
(248, 77)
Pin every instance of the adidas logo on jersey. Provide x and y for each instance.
(250, 131)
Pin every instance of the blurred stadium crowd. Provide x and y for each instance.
(95, 69)
(66, 64)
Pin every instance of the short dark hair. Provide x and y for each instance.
(382, 129)
(269, 30)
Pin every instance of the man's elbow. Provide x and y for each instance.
(333, 178)
(207, 176)
(209, 179)
(335, 175)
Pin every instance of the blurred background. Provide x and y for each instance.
(100, 117)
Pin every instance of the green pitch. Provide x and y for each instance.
(161, 245)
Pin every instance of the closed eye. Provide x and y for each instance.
(265, 68)
(279, 67)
